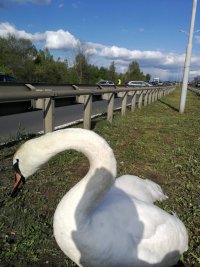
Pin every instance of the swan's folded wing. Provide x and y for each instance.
(142, 189)
(146, 232)
(144, 221)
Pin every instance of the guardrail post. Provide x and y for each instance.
(140, 100)
(110, 107)
(124, 103)
(87, 101)
(110, 97)
(150, 97)
(168, 90)
(123, 95)
(133, 99)
(36, 103)
(159, 94)
(33, 101)
(48, 115)
(156, 95)
(145, 97)
(87, 112)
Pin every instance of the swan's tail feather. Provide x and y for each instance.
(156, 191)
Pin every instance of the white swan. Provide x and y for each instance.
(103, 222)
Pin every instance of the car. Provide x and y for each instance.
(6, 78)
(105, 83)
(148, 84)
(139, 84)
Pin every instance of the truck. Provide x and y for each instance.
(156, 80)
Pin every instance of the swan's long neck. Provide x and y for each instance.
(100, 176)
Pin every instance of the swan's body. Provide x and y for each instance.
(101, 222)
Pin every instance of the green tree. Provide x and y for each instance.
(82, 68)
(103, 73)
(48, 70)
(73, 77)
(20, 58)
(15, 53)
(93, 74)
(43, 56)
(148, 77)
(26, 72)
(133, 72)
(112, 72)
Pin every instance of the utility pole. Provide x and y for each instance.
(187, 60)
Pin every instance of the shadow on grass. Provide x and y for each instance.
(170, 106)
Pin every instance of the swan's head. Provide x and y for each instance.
(25, 163)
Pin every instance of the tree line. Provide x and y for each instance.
(21, 59)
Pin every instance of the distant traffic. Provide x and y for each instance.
(155, 82)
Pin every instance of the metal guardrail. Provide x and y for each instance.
(195, 89)
(43, 96)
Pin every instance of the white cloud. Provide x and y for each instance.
(9, 29)
(158, 63)
(6, 3)
(53, 39)
(125, 54)
(61, 40)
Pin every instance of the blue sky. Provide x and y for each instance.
(147, 31)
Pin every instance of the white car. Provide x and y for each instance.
(139, 84)
(105, 83)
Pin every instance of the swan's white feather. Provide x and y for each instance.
(142, 189)
(103, 222)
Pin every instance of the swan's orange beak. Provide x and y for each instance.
(19, 181)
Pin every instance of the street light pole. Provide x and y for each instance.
(187, 59)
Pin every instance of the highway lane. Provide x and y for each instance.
(32, 122)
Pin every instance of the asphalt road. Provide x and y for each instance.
(32, 122)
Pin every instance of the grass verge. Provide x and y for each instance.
(155, 142)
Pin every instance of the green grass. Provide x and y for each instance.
(156, 142)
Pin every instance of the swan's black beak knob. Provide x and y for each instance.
(19, 179)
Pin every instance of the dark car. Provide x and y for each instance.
(6, 78)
